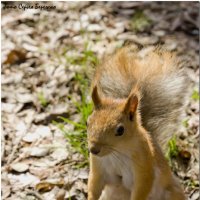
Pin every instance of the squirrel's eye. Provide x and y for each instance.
(119, 131)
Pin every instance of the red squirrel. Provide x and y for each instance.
(138, 98)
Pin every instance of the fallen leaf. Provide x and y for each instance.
(37, 151)
(20, 181)
(60, 154)
(44, 187)
(24, 98)
(19, 167)
(15, 57)
(6, 187)
(8, 107)
(185, 155)
(47, 186)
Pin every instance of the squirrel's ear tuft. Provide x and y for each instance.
(131, 106)
(96, 98)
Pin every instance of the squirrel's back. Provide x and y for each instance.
(160, 78)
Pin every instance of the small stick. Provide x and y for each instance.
(17, 145)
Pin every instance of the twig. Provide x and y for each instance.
(17, 145)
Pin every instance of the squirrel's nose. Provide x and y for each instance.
(94, 150)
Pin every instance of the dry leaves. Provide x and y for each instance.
(39, 84)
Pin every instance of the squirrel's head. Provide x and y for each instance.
(112, 123)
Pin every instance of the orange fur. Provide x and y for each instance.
(160, 78)
(131, 161)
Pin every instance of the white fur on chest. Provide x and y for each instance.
(118, 170)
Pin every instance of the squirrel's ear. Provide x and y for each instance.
(131, 106)
(96, 98)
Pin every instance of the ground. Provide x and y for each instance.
(48, 56)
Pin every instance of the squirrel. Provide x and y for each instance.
(138, 98)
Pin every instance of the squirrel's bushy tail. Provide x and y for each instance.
(162, 104)
(162, 83)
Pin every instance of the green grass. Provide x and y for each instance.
(195, 95)
(42, 100)
(78, 137)
(140, 22)
(185, 123)
(192, 183)
(172, 150)
(86, 59)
